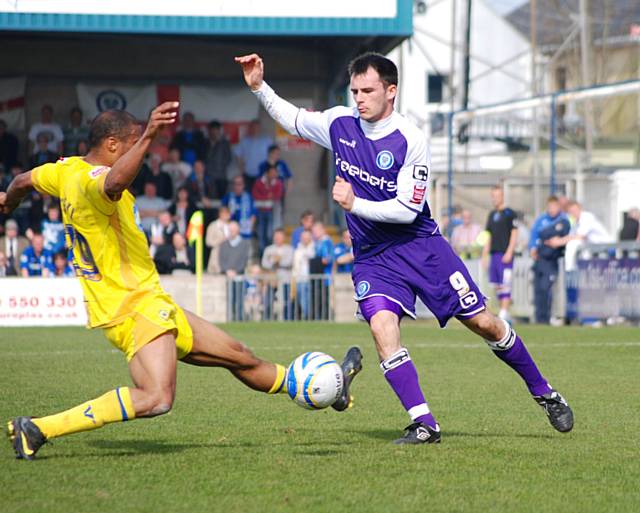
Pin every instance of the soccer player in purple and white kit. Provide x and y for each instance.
(382, 173)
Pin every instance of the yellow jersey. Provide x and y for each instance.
(108, 247)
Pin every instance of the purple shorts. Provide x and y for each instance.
(500, 275)
(426, 267)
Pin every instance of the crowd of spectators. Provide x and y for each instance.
(554, 239)
(240, 188)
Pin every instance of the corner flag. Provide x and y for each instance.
(195, 232)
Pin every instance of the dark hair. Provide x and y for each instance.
(61, 254)
(384, 67)
(110, 123)
(272, 148)
(306, 213)
(3, 123)
(47, 107)
(215, 124)
(553, 197)
(76, 109)
(279, 230)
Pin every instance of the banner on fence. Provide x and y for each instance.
(609, 288)
(41, 302)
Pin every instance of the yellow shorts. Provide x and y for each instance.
(154, 315)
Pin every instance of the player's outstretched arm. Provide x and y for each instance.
(19, 187)
(281, 110)
(126, 168)
(296, 121)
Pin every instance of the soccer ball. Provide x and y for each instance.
(314, 380)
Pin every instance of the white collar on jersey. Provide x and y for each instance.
(381, 128)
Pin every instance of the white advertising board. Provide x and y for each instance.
(41, 302)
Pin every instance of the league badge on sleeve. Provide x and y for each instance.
(419, 191)
(420, 172)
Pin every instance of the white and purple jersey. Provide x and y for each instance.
(382, 161)
(399, 252)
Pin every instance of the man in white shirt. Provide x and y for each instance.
(587, 228)
(150, 206)
(278, 256)
(52, 130)
(178, 170)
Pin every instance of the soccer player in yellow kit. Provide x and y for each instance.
(121, 286)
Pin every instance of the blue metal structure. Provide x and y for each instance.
(553, 99)
(400, 25)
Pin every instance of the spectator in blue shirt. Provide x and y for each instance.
(343, 253)
(35, 260)
(61, 267)
(321, 264)
(190, 140)
(552, 223)
(240, 204)
(53, 230)
(306, 222)
(273, 159)
(324, 247)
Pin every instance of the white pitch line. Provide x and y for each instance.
(479, 345)
(419, 345)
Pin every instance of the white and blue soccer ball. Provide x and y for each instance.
(314, 380)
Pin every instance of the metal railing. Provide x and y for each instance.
(265, 297)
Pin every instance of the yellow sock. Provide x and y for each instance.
(114, 406)
(279, 385)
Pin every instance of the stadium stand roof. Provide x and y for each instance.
(309, 38)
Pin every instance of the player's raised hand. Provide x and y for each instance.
(343, 193)
(164, 114)
(253, 70)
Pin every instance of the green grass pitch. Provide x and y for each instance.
(227, 449)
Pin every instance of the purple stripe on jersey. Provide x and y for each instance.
(410, 208)
(295, 124)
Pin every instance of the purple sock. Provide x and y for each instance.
(513, 352)
(401, 374)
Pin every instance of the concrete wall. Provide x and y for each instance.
(214, 294)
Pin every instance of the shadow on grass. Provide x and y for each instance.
(390, 435)
(320, 452)
(134, 447)
(497, 435)
(122, 448)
